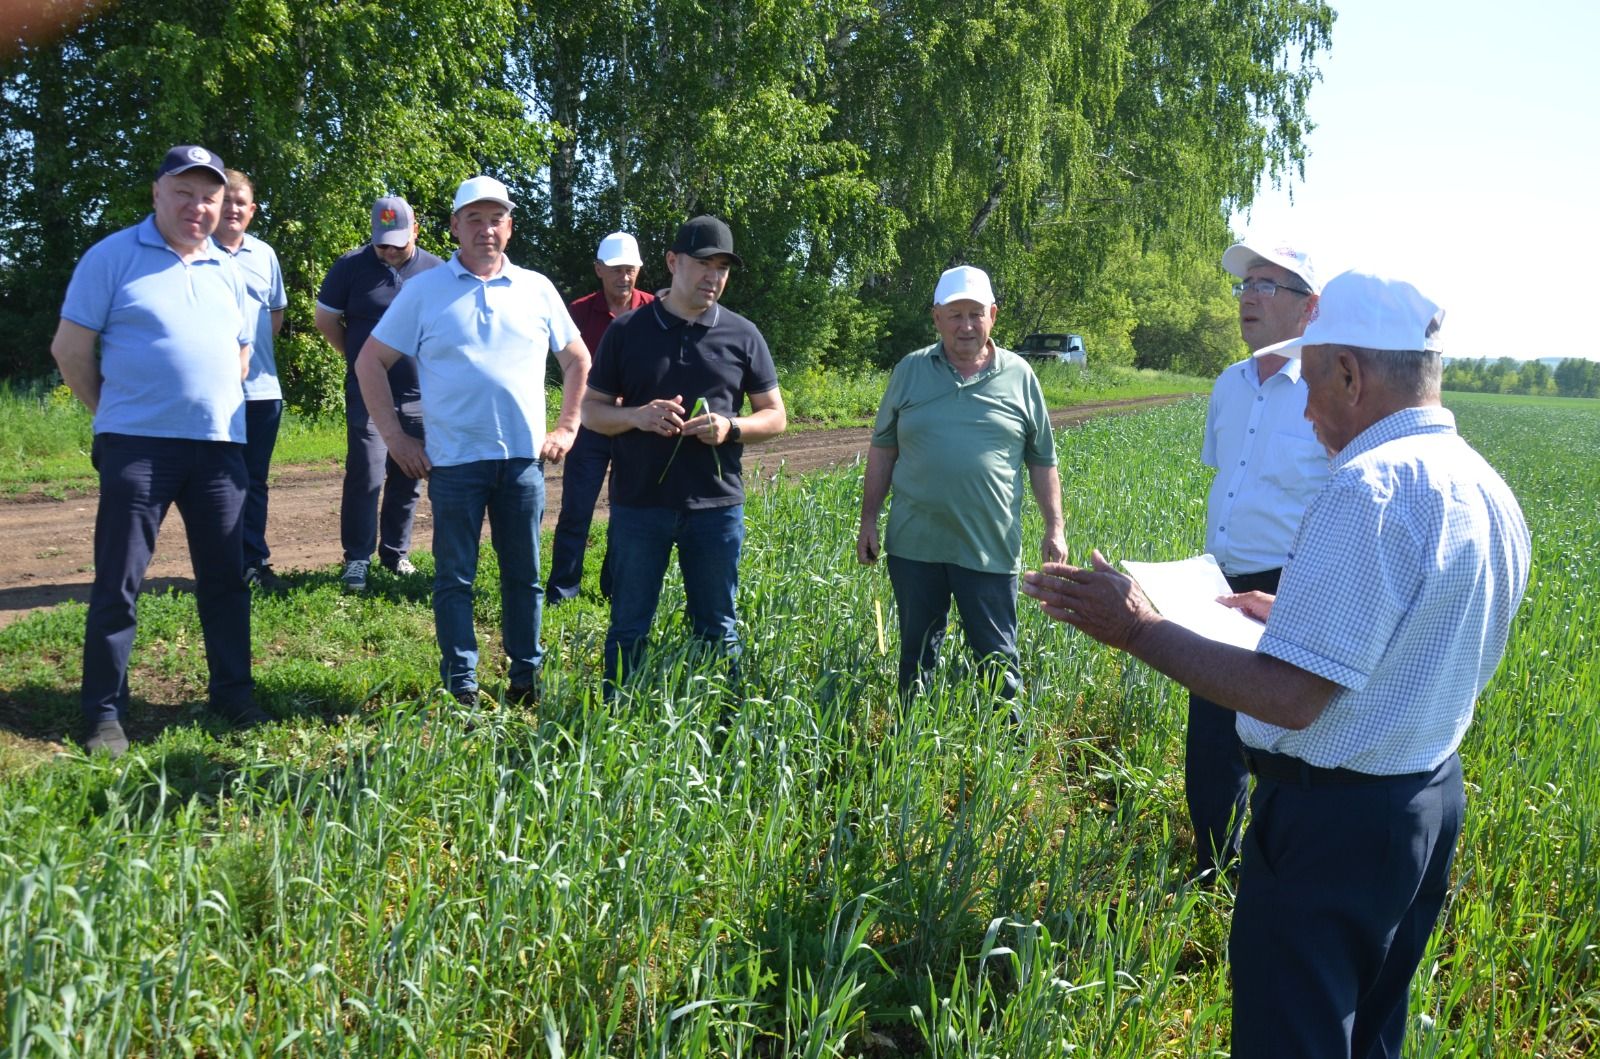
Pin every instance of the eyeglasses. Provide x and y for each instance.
(1264, 287)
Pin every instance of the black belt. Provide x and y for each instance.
(1282, 768)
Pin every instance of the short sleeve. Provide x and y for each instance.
(1350, 582)
(279, 298)
(761, 375)
(334, 294)
(91, 290)
(605, 375)
(1039, 450)
(563, 331)
(885, 428)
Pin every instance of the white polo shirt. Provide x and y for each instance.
(1269, 465)
(480, 347)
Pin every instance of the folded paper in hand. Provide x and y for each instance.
(1186, 592)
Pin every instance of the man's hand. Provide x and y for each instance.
(708, 429)
(1100, 601)
(557, 443)
(1256, 604)
(867, 543)
(1053, 548)
(662, 416)
(409, 455)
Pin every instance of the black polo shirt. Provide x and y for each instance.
(360, 287)
(650, 353)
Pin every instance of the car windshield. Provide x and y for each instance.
(1044, 342)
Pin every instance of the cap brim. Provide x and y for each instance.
(712, 251)
(1288, 348)
(507, 203)
(625, 259)
(394, 237)
(197, 165)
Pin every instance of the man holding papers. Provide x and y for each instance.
(1269, 465)
(1396, 601)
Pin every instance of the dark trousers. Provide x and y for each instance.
(585, 472)
(987, 604)
(1339, 888)
(261, 421)
(140, 478)
(1215, 780)
(368, 470)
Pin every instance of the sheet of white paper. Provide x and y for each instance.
(1186, 592)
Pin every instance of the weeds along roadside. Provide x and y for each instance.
(378, 879)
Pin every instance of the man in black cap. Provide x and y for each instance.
(681, 369)
(167, 309)
(355, 294)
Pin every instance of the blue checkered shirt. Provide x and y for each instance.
(1400, 589)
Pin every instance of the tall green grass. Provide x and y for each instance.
(385, 874)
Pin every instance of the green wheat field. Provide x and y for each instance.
(386, 874)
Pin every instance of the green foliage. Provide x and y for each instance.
(1573, 377)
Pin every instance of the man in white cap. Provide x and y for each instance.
(959, 421)
(480, 329)
(1392, 615)
(616, 264)
(1269, 465)
(355, 294)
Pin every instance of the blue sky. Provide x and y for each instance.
(1458, 146)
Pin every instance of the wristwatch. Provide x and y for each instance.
(734, 433)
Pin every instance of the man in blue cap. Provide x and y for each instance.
(167, 310)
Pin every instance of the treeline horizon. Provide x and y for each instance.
(1572, 377)
(1087, 154)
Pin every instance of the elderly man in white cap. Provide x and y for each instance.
(958, 423)
(616, 264)
(1269, 465)
(1392, 615)
(480, 330)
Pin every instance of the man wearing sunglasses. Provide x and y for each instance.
(1269, 465)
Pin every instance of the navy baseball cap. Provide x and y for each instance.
(705, 236)
(187, 156)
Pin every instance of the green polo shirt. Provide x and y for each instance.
(959, 480)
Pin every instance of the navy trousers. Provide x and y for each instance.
(584, 473)
(988, 607)
(1339, 888)
(261, 422)
(368, 470)
(140, 478)
(1215, 781)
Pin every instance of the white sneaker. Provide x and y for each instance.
(354, 578)
(404, 568)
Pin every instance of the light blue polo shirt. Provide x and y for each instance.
(480, 347)
(170, 334)
(263, 279)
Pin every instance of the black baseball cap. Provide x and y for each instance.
(187, 156)
(705, 236)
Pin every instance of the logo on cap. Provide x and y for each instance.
(199, 154)
(387, 218)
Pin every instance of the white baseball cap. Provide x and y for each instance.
(1371, 312)
(481, 189)
(619, 248)
(1241, 257)
(963, 283)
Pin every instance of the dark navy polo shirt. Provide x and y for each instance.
(650, 353)
(360, 287)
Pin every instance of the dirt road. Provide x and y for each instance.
(47, 554)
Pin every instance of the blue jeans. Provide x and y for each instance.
(140, 478)
(368, 470)
(1339, 888)
(988, 607)
(512, 492)
(585, 473)
(641, 542)
(261, 422)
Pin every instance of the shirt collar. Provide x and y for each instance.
(1252, 374)
(462, 272)
(1408, 422)
(150, 235)
(994, 358)
(669, 319)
